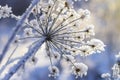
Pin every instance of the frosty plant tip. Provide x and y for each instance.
(115, 74)
(66, 32)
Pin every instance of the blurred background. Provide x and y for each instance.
(105, 17)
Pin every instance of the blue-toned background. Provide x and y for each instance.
(106, 17)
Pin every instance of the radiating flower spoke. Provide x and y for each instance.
(66, 32)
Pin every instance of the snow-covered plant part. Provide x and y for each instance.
(54, 71)
(106, 76)
(5, 11)
(117, 56)
(96, 45)
(115, 70)
(79, 69)
(66, 33)
(69, 58)
(17, 28)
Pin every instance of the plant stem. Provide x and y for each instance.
(17, 28)
(22, 61)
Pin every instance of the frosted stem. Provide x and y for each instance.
(22, 61)
(19, 24)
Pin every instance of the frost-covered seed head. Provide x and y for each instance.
(106, 75)
(66, 31)
(96, 45)
(28, 31)
(85, 50)
(5, 11)
(69, 58)
(79, 69)
(54, 71)
(116, 71)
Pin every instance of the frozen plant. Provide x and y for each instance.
(54, 71)
(115, 70)
(79, 69)
(106, 76)
(66, 33)
(5, 11)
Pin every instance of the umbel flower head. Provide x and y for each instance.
(66, 31)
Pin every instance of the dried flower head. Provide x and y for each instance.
(96, 45)
(79, 69)
(116, 71)
(69, 58)
(106, 75)
(65, 31)
(5, 11)
(54, 71)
